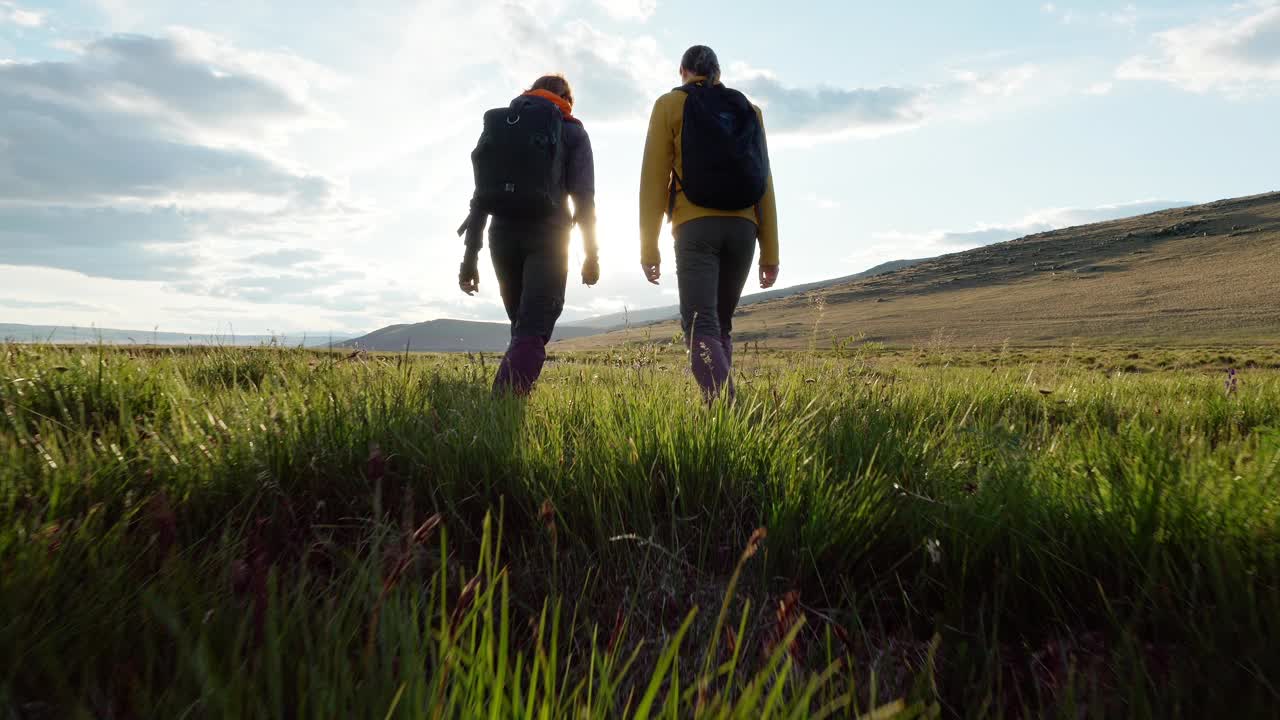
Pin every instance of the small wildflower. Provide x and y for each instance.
(376, 464)
(842, 635)
(547, 515)
(787, 614)
(753, 544)
(424, 532)
(730, 640)
(619, 623)
(465, 600)
(934, 548)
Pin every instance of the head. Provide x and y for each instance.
(700, 61)
(555, 84)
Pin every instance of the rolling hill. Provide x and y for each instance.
(468, 336)
(1201, 274)
(447, 336)
(617, 321)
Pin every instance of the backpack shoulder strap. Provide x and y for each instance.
(689, 88)
(674, 189)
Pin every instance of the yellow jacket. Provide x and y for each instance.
(662, 154)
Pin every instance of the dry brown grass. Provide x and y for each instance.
(1203, 274)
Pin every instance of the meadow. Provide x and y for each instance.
(866, 532)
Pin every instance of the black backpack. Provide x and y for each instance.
(726, 161)
(519, 161)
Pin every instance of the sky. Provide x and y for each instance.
(234, 165)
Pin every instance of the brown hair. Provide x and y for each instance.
(702, 60)
(556, 84)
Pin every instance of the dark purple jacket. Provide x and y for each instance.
(579, 183)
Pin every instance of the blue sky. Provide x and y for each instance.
(205, 166)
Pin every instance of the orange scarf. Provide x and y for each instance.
(566, 108)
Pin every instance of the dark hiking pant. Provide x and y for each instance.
(532, 264)
(713, 261)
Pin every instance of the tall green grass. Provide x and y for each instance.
(216, 533)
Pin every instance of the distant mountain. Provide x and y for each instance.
(628, 318)
(1189, 275)
(432, 336)
(448, 336)
(636, 318)
(108, 336)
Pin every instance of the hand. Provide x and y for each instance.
(768, 276)
(652, 273)
(591, 271)
(469, 275)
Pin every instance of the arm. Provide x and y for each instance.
(767, 213)
(581, 183)
(473, 231)
(655, 183)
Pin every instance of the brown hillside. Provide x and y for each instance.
(1208, 273)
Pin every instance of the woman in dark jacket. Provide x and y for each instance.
(531, 257)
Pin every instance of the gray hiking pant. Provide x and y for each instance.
(532, 263)
(713, 261)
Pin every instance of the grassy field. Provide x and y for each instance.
(212, 533)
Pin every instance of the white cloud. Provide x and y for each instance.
(1002, 83)
(614, 76)
(618, 77)
(131, 304)
(152, 159)
(1126, 17)
(640, 10)
(1066, 17)
(185, 91)
(1238, 54)
(804, 115)
(822, 202)
(828, 111)
(121, 14)
(1101, 88)
(1056, 218)
(12, 13)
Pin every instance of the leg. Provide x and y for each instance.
(546, 273)
(735, 269)
(507, 254)
(698, 246)
(546, 270)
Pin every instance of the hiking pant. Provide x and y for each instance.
(532, 263)
(713, 261)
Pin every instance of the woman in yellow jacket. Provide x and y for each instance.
(714, 241)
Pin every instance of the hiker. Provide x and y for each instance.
(706, 167)
(532, 157)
